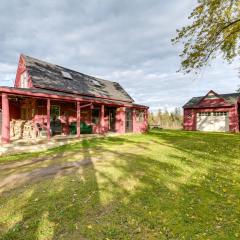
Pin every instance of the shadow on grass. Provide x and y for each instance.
(191, 191)
(55, 207)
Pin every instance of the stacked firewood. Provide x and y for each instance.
(22, 129)
(12, 132)
(28, 130)
(16, 128)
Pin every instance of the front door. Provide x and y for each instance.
(112, 119)
(129, 120)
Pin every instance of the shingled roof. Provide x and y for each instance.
(230, 98)
(45, 75)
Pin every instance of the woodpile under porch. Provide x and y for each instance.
(34, 116)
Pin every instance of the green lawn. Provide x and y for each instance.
(160, 185)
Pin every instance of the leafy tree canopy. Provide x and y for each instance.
(214, 29)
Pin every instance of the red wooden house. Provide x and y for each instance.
(49, 100)
(213, 112)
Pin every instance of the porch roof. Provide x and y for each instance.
(56, 95)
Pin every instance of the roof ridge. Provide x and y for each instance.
(236, 93)
(226, 96)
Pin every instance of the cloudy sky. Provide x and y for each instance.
(125, 41)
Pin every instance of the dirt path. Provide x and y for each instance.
(16, 179)
(15, 165)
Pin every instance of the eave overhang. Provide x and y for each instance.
(61, 96)
(209, 106)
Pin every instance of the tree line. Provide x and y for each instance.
(166, 119)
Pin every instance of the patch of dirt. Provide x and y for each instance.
(15, 180)
(12, 165)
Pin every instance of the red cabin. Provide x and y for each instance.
(213, 112)
(49, 100)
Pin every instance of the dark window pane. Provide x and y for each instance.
(96, 115)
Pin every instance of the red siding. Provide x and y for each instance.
(211, 102)
(216, 104)
(120, 120)
(140, 126)
(21, 69)
(14, 110)
(189, 121)
(234, 119)
(190, 117)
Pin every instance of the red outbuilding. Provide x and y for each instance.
(49, 100)
(213, 112)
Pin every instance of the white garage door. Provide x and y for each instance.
(213, 121)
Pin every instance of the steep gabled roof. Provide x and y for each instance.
(230, 98)
(53, 77)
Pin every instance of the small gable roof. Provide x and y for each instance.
(230, 98)
(45, 75)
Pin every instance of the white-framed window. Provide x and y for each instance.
(212, 114)
(204, 114)
(140, 114)
(212, 96)
(95, 82)
(220, 114)
(24, 80)
(66, 75)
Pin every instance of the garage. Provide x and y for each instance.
(213, 112)
(213, 121)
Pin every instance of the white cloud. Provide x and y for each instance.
(124, 41)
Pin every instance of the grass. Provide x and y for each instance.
(160, 185)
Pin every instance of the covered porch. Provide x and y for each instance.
(41, 114)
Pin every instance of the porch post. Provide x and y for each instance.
(146, 119)
(102, 119)
(48, 118)
(5, 119)
(123, 118)
(78, 119)
(134, 119)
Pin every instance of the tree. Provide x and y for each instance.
(177, 113)
(151, 118)
(214, 29)
(159, 116)
(166, 111)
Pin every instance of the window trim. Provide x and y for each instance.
(214, 114)
(140, 115)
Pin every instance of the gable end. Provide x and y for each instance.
(23, 79)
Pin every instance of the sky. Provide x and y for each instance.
(124, 41)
